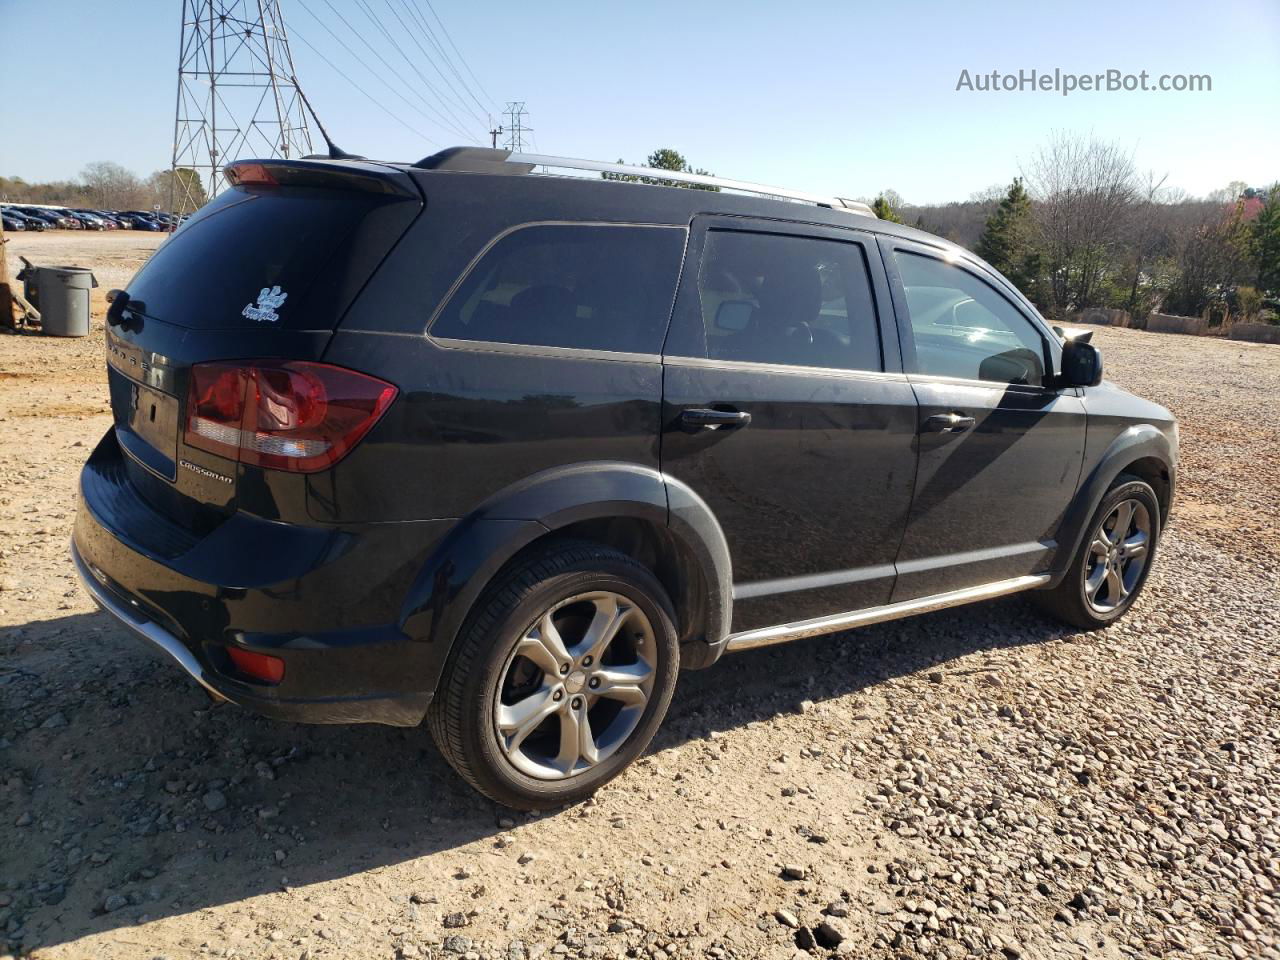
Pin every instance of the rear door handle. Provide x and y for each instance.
(948, 423)
(706, 417)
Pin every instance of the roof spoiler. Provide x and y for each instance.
(352, 174)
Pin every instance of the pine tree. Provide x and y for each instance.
(664, 158)
(882, 210)
(1007, 241)
(1264, 241)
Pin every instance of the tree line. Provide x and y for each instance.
(104, 185)
(1081, 227)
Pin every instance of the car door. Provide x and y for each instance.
(1001, 446)
(785, 409)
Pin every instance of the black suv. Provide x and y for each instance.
(463, 441)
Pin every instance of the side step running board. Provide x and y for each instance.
(766, 636)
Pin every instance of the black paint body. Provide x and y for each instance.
(831, 499)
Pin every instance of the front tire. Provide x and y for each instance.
(1110, 568)
(560, 677)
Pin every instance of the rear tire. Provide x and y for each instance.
(1111, 565)
(560, 677)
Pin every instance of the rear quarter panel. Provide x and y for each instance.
(471, 422)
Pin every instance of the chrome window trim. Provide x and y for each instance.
(757, 366)
(461, 343)
(990, 384)
(537, 350)
(783, 633)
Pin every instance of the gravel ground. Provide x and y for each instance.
(981, 782)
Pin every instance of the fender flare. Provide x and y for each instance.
(466, 560)
(1135, 443)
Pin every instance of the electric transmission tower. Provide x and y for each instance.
(515, 126)
(237, 95)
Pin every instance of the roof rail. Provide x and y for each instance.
(485, 160)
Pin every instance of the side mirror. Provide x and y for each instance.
(1081, 364)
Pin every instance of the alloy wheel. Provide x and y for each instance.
(576, 685)
(1117, 555)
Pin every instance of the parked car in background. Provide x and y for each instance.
(103, 223)
(28, 222)
(87, 221)
(49, 217)
(12, 223)
(67, 220)
(142, 221)
(119, 220)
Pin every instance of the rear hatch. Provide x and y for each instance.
(262, 273)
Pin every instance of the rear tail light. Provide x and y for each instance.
(260, 666)
(286, 415)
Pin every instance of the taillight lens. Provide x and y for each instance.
(286, 415)
(260, 666)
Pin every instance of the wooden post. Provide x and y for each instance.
(6, 299)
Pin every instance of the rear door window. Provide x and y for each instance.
(583, 286)
(802, 301)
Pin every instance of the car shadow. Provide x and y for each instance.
(125, 788)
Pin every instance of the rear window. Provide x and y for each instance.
(594, 287)
(286, 257)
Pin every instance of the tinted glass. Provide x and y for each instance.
(963, 328)
(239, 248)
(770, 298)
(590, 287)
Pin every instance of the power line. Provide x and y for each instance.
(380, 104)
(445, 31)
(459, 99)
(377, 22)
(417, 16)
(438, 118)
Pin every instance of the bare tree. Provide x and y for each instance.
(1210, 253)
(165, 187)
(989, 195)
(1145, 237)
(1084, 190)
(111, 186)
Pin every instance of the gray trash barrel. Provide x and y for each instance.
(64, 300)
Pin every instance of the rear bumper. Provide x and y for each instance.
(399, 710)
(323, 600)
(151, 633)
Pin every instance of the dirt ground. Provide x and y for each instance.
(977, 783)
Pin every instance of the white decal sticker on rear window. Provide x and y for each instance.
(269, 300)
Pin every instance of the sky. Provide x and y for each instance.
(847, 98)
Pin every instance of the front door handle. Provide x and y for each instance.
(712, 419)
(948, 423)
